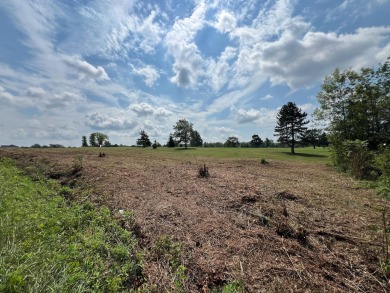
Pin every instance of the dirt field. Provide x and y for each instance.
(281, 227)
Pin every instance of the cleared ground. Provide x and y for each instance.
(291, 225)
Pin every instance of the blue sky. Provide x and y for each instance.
(70, 68)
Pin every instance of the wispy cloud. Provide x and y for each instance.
(149, 73)
(86, 70)
(103, 121)
(188, 62)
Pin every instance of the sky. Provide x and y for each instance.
(70, 68)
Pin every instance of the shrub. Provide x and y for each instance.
(264, 161)
(77, 163)
(354, 157)
(382, 161)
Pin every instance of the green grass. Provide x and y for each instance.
(308, 154)
(281, 154)
(49, 244)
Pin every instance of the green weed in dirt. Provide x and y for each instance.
(47, 244)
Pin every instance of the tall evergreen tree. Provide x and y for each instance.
(84, 142)
(291, 125)
(144, 140)
(311, 137)
(196, 139)
(171, 142)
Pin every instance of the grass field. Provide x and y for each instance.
(302, 154)
(318, 155)
(292, 224)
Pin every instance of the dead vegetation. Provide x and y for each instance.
(282, 227)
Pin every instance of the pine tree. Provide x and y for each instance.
(290, 125)
(171, 142)
(84, 142)
(196, 139)
(144, 139)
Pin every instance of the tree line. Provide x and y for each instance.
(185, 135)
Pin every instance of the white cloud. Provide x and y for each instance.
(149, 73)
(188, 62)
(85, 69)
(5, 97)
(144, 109)
(35, 92)
(50, 132)
(267, 97)
(219, 70)
(62, 100)
(302, 62)
(56, 132)
(161, 112)
(251, 115)
(103, 121)
(224, 130)
(226, 22)
(39, 98)
(150, 33)
(306, 107)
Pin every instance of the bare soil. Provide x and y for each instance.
(281, 227)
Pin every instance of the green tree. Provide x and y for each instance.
(183, 130)
(101, 138)
(196, 140)
(357, 105)
(267, 142)
(312, 137)
(323, 140)
(144, 140)
(97, 139)
(92, 139)
(232, 142)
(256, 141)
(290, 125)
(84, 142)
(171, 142)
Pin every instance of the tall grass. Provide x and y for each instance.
(49, 244)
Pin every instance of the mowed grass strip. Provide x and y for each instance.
(49, 244)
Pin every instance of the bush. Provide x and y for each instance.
(382, 161)
(353, 157)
